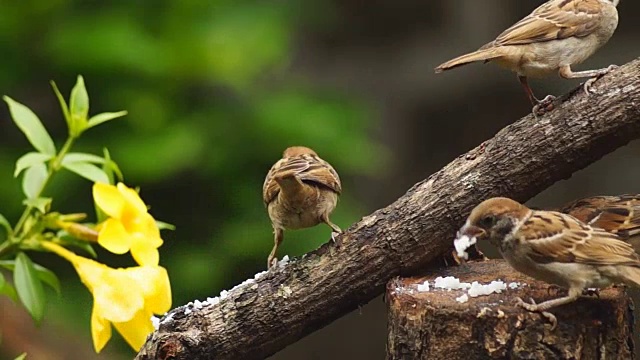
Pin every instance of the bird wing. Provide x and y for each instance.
(557, 19)
(270, 187)
(557, 237)
(309, 168)
(320, 173)
(616, 214)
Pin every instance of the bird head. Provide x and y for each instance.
(294, 151)
(493, 219)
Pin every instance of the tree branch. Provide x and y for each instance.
(263, 316)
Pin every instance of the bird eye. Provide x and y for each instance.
(487, 221)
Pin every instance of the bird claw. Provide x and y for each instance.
(272, 262)
(587, 84)
(551, 318)
(336, 241)
(533, 307)
(543, 106)
(527, 306)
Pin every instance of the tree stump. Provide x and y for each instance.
(433, 325)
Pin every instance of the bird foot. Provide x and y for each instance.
(543, 106)
(533, 307)
(272, 262)
(336, 239)
(587, 84)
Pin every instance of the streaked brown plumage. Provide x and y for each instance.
(300, 191)
(554, 247)
(555, 36)
(616, 214)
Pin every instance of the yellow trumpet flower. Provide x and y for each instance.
(129, 227)
(125, 298)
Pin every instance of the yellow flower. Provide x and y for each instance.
(129, 227)
(125, 298)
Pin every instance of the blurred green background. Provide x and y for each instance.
(212, 104)
(217, 89)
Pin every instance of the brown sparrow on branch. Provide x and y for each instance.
(555, 36)
(553, 247)
(300, 191)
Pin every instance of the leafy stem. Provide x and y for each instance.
(6, 247)
(55, 165)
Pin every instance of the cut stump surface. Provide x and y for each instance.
(433, 325)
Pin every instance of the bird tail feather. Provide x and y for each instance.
(479, 55)
(288, 181)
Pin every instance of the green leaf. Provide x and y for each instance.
(110, 168)
(29, 159)
(79, 102)
(48, 277)
(7, 289)
(21, 356)
(82, 157)
(45, 275)
(78, 107)
(29, 287)
(68, 240)
(63, 104)
(104, 117)
(115, 170)
(5, 224)
(34, 179)
(164, 226)
(10, 292)
(83, 245)
(31, 126)
(43, 204)
(87, 171)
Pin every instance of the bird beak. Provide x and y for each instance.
(471, 231)
(466, 238)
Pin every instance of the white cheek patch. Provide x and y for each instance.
(462, 243)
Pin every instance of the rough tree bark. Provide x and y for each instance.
(259, 318)
(433, 325)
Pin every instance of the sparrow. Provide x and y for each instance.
(300, 191)
(553, 247)
(555, 36)
(616, 214)
(619, 215)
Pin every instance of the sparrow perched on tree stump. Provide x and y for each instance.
(300, 191)
(553, 247)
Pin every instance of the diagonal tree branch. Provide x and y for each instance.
(260, 317)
